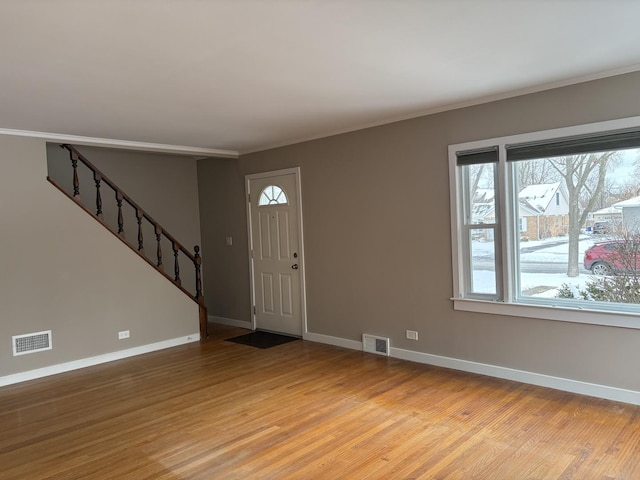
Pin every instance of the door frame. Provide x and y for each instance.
(295, 171)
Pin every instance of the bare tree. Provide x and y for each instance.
(476, 172)
(635, 174)
(536, 172)
(626, 190)
(482, 191)
(630, 187)
(584, 176)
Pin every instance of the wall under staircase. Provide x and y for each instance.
(63, 271)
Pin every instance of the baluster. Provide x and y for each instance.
(197, 262)
(97, 178)
(76, 182)
(120, 219)
(176, 263)
(159, 249)
(140, 239)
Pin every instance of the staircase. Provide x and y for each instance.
(125, 219)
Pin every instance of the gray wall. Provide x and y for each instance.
(377, 237)
(222, 207)
(165, 186)
(62, 271)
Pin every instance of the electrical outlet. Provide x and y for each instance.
(412, 335)
(123, 334)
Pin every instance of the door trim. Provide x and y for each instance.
(295, 171)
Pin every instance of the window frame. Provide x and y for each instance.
(507, 218)
(468, 226)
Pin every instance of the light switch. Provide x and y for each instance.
(229, 240)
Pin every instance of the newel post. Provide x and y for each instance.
(204, 333)
(198, 262)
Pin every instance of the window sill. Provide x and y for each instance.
(562, 313)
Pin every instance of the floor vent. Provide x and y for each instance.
(373, 344)
(31, 343)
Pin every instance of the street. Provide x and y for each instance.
(485, 262)
(528, 267)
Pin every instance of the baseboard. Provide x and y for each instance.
(532, 378)
(229, 321)
(91, 361)
(558, 383)
(337, 341)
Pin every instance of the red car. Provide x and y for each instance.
(616, 256)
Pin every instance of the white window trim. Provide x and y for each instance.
(564, 313)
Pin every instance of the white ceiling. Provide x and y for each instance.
(245, 75)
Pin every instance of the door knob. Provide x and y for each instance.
(295, 266)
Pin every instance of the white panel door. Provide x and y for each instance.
(275, 252)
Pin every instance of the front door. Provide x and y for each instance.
(275, 250)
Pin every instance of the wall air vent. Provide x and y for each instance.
(373, 344)
(31, 343)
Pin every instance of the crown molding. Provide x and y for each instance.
(197, 152)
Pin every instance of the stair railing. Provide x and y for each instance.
(117, 227)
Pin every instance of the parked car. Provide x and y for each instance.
(601, 228)
(613, 257)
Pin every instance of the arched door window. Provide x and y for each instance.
(272, 195)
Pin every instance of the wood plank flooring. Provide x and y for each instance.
(219, 410)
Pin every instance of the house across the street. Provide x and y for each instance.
(544, 211)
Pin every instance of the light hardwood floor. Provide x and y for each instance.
(219, 410)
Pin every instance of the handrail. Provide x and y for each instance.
(159, 231)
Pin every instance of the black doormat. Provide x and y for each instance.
(262, 339)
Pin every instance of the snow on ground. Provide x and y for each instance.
(543, 285)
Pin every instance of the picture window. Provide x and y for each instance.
(547, 224)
